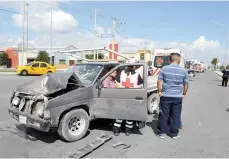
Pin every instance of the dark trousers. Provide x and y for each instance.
(224, 81)
(170, 112)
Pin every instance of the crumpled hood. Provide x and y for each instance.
(48, 84)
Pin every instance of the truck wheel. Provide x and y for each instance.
(74, 125)
(153, 103)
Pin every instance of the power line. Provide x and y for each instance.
(9, 11)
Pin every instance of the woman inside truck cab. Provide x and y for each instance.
(109, 82)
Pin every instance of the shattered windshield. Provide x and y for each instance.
(86, 73)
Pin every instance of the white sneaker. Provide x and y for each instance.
(175, 137)
(162, 136)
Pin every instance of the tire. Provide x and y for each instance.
(155, 107)
(24, 72)
(67, 121)
(49, 72)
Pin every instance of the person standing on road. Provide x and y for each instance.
(135, 81)
(172, 87)
(225, 76)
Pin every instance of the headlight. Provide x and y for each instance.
(46, 114)
(16, 101)
(40, 111)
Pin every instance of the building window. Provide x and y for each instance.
(142, 56)
(62, 62)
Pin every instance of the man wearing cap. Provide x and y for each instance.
(172, 87)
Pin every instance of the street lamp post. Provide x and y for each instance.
(226, 47)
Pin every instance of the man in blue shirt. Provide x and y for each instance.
(172, 87)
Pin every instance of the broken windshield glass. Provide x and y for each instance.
(86, 73)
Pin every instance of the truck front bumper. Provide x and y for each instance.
(29, 120)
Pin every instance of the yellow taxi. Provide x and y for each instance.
(35, 68)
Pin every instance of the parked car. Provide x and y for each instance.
(35, 68)
(191, 73)
(68, 101)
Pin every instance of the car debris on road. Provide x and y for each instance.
(91, 146)
(121, 144)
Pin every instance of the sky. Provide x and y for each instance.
(183, 25)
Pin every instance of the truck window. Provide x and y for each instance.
(133, 81)
(161, 61)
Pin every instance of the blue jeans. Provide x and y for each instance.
(170, 112)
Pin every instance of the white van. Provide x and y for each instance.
(161, 58)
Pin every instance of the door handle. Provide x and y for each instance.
(138, 98)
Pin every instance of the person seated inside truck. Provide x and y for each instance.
(110, 82)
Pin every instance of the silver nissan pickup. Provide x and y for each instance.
(68, 101)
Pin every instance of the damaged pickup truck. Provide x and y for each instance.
(68, 101)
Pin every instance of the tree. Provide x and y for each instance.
(3, 58)
(214, 62)
(91, 56)
(221, 67)
(43, 56)
(149, 63)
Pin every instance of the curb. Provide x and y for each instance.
(217, 73)
(7, 73)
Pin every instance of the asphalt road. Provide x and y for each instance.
(205, 117)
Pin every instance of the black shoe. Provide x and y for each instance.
(116, 130)
(127, 131)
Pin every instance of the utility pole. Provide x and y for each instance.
(23, 33)
(114, 22)
(27, 4)
(51, 37)
(97, 45)
(146, 45)
(226, 52)
(95, 32)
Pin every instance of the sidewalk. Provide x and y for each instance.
(218, 73)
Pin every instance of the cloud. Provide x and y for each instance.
(201, 49)
(40, 16)
(202, 44)
(100, 30)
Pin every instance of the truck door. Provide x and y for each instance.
(121, 103)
